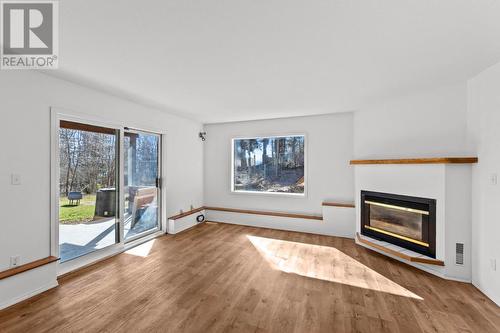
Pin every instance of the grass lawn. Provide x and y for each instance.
(77, 214)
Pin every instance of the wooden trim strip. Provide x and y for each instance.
(434, 160)
(429, 261)
(409, 258)
(179, 216)
(267, 213)
(337, 204)
(26, 267)
(86, 127)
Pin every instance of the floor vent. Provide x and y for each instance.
(459, 258)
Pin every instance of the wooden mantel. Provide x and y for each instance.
(429, 160)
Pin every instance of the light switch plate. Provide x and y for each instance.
(494, 179)
(493, 263)
(15, 179)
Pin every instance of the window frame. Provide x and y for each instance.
(270, 136)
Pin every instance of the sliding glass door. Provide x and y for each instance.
(88, 188)
(142, 180)
(108, 191)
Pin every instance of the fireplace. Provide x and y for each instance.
(408, 222)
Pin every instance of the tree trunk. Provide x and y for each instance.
(77, 163)
(68, 148)
(243, 156)
(265, 142)
(264, 156)
(276, 158)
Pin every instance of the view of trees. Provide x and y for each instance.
(87, 161)
(272, 164)
(141, 159)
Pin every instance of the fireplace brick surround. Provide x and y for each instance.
(446, 183)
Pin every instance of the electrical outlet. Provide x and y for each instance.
(493, 264)
(15, 261)
(15, 179)
(494, 179)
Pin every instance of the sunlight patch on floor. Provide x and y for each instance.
(324, 263)
(142, 250)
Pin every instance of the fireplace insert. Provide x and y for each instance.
(409, 222)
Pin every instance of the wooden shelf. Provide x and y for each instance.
(338, 204)
(432, 160)
(422, 260)
(259, 212)
(27, 267)
(181, 215)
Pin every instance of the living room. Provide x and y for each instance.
(250, 166)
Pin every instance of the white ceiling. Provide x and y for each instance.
(228, 60)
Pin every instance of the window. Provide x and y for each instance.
(269, 165)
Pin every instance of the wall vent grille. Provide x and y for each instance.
(459, 258)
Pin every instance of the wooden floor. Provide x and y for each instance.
(226, 278)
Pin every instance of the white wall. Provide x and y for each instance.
(484, 124)
(26, 98)
(426, 123)
(329, 149)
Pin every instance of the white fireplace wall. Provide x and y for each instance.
(458, 219)
(426, 181)
(449, 185)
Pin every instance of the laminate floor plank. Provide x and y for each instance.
(228, 278)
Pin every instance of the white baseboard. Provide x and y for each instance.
(319, 227)
(451, 278)
(179, 225)
(22, 286)
(28, 295)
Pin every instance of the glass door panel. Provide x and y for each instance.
(142, 183)
(88, 200)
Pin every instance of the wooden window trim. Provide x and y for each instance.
(86, 127)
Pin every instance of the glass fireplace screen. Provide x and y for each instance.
(405, 221)
(397, 221)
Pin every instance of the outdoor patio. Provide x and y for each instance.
(77, 240)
